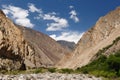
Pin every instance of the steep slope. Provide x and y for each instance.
(106, 29)
(67, 44)
(112, 48)
(22, 48)
(47, 51)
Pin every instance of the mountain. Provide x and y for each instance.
(102, 34)
(24, 48)
(67, 44)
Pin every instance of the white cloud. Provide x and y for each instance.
(68, 36)
(19, 15)
(71, 7)
(58, 24)
(52, 13)
(73, 15)
(32, 8)
(25, 22)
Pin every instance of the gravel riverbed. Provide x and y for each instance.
(48, 76)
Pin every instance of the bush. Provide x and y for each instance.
(66, 71)
(114, 63)
(52, 70)
(119, 73)
(39, 70)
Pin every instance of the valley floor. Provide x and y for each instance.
(48, 76)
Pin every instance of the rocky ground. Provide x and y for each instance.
(48, 76)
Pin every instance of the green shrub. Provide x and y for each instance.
(114, 63)
(119, 73)
(39, 70)
(66, 70)
(52, 70)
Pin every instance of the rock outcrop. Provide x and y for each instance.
(24, 48)
(106, 29)
(112, 48)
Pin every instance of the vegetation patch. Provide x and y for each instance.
(66, 70)
(108, 67)
(52, 70)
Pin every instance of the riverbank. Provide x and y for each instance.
(48, 76)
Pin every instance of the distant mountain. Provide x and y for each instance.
(24, 48)
(102, 34)
(67, 44)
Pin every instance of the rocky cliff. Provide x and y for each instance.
(106, 29)
(24, 48)
(111, 49)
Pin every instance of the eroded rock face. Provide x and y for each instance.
(11, 46)
(22, 48)
(113, 49)
(99, 36)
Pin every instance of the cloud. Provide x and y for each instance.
(58, 24)
(32, 8)
(73, 14)
(52, 13)
(54, 23)
(71, 36)
(71, 7)
(19, 15)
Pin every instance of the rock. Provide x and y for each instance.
(48, 76)
(113, 49)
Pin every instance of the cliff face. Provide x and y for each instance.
(112, 48)
(106, 29)
(22, 48)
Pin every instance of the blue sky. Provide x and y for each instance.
(60, 19)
